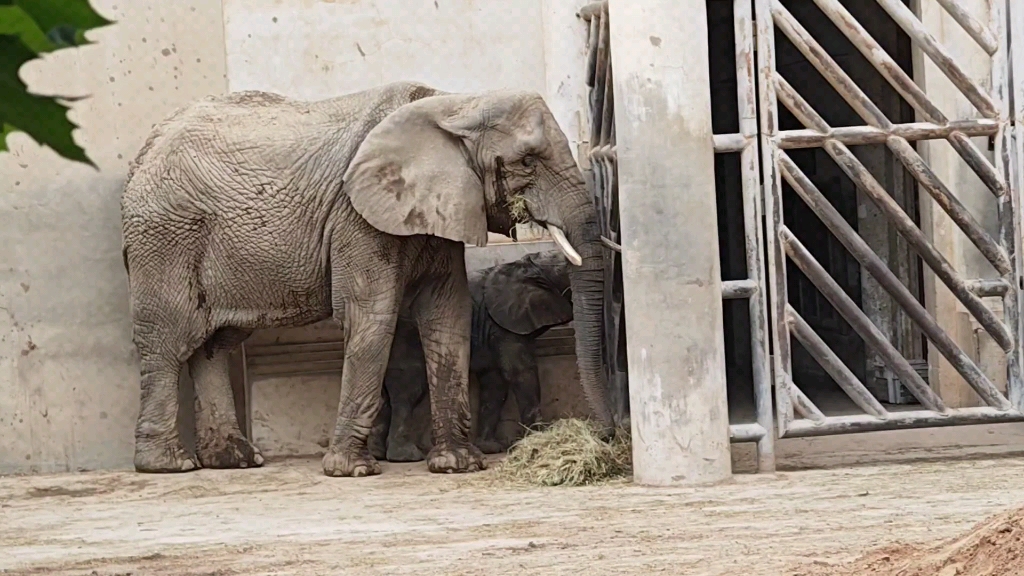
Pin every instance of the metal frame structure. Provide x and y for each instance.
(999, 177)
(760, 89)
(602, 158)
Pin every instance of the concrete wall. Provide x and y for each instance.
(68, 370)
(69, 375)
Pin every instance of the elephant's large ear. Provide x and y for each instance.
(521, 300)
(412, 175)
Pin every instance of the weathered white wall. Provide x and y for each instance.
(69, 377)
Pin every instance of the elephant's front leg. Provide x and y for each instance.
(378, 441)
(369, 329)
(443, 312)
(517, 361)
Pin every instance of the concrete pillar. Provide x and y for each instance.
(671, 283)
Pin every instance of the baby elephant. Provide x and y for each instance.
(513, 304)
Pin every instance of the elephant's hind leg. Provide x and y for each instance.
(219, 440)
(162, 349)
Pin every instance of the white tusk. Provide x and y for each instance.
(563, 244)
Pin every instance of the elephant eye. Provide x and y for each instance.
(529, 161)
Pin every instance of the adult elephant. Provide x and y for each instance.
(252, 210)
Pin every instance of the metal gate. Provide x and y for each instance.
(766, 160)
(796, 414)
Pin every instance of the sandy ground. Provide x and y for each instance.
(289, 519)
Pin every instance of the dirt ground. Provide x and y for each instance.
(287, 518)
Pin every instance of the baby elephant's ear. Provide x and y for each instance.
(412, 176)
(519, 299)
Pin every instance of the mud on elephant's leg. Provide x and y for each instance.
(443, 310)
(493, 392)
(219, 440)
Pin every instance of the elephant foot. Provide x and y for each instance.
(407, 452)
(490, 446)
(451, 457)
(231, 451)
(163, 458)
(338, 462)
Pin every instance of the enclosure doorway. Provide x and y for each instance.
(859, 211)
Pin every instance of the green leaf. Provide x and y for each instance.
(5, 129)
(41, 117)
(65, 21)
(16, 22)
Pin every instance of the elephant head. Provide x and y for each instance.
(530, 294)
(459, 165)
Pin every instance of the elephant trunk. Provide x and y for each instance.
(587, 280)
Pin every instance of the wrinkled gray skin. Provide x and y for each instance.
(252, 210)
(513, 304)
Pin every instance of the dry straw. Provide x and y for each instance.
(568, 453)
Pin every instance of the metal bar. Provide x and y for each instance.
(772, 199)
(974, 28)
(1011, 154)
(605, 152)
(914, 236)
(726, 143)
(859, 101)
(950, 204)
(801, 403)
(910, 24)
(887, 280)
(828, 67)
(833, 365)
(881, 60)
(600, 73)
(978, 162)
(740, 433)
(860, 135)
(916, 166)
(988, 288)
(593, 9)
(935, 260)
(909, 89)
(247, 387)
(592, 37)
(902, 420)
(266, 350)
(848, 309)
(737, 289)
(746, 95)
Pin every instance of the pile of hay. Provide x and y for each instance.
(568, 453)
(994, 547)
